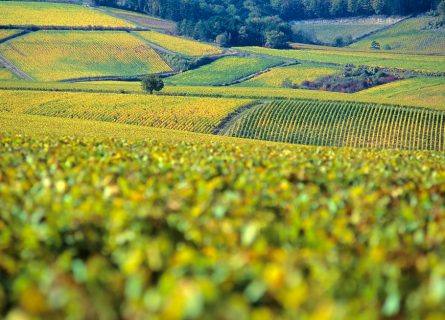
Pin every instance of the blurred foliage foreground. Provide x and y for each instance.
(112, 229)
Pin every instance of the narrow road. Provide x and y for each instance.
(14, 69)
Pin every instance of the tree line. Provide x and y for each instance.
(260, 22)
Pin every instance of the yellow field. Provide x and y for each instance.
(55, 14)
(4, 33)
(5, 74)
(296, 74)
(181, 113)
(57, 55)
(180, 45)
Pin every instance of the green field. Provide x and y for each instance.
(423, 90)
(222, 71)
(296, 74)
(180, 45)
(55, 14)
(407, 36)
(423, 63)
(327, 31)
(181, 113)
(231, 228)
(58, 55)
(342, 124)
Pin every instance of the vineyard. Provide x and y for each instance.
(407, 36)
(334, 231)
(143, 20)
(180, 45)
(223, 71)
(58, 55)
(343, 124)
(422, 89)
(423, 63)
(180, 113)
(296, 74)
(55, 14)
(328, 31)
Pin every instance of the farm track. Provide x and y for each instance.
(14, 69)
(227, 122)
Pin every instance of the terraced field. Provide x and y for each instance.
(343, 124)
(296, 74)
(55, 14)
(180, 45)
(222, 71)
(423, 63)
(407, 36)
(58, 55)
(181, 113)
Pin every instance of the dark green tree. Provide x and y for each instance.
(152, 83)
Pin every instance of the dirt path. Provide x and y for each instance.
(231, 118)
(11, 67)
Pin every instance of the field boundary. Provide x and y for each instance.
(19, 34)
(253, 75)
(14, 69)
(118, 78)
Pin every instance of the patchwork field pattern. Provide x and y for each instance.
(58, 55)
(222, 71)
(55, 14)
(180, 45)
(180, 113)
(343, 124)
(407, 36)
(423, 63)
(296, 74)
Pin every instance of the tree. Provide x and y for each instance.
(152, 83)
(276, 39)
(222, 39)
(375, 45)
(441, 10)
